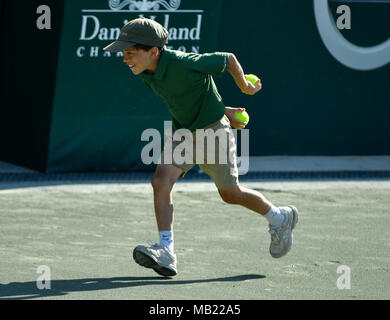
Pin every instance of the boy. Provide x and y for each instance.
(184, 81)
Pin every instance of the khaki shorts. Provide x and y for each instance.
(217, 158)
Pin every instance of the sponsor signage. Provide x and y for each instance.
(186, 21)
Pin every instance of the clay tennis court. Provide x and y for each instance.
(85, 233)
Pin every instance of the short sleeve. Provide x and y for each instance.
(210, 63)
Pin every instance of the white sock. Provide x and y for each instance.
(274, 217)
(166, 239)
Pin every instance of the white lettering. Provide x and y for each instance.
(158, 310)
(183, 33)
(344, 21)
(114, 33)
(195, 32)
(153, 146)
(168, 142)
(172, 34)
(183, 152)
(84, 28)
(223, 147)
(212, 146)
(94, 52)
(166, 21)
(44, 280)
(103, 34)
(243, 160)
(44, 21)
(80, 52)
(344, 281)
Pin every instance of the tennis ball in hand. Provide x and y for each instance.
(252, 78)
(242, 116)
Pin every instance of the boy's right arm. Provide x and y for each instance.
(238, 75)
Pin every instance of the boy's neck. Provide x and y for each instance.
(154, 66)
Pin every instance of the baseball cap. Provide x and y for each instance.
(140, 31)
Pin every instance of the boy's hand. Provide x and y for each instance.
(235, 69)
(234, 122)
(251, 89)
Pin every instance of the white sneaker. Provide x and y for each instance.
(157, 258)
(282, 237)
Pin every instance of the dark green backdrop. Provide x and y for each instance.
(28, 66)
(311, 104)
(100, 108)
(89, 113)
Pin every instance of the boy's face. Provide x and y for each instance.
(140, 60)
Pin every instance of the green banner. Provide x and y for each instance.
(100, 108)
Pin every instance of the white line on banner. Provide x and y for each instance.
(147, 11)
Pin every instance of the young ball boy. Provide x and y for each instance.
(185, 82)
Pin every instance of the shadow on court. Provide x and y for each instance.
(29, 290)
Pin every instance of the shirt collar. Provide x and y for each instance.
(161, 68)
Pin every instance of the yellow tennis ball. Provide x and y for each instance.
(252, 78)
(242, 116)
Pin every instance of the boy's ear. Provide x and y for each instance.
(155, 51)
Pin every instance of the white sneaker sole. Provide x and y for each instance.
(147, 261)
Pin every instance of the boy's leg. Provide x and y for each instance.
(254, 201)
(160, 257)
(163, 181)
(248, 198)
(281, 220)
(225, 175)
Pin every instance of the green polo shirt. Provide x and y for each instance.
(185, 82)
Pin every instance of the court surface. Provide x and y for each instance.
(85, 235)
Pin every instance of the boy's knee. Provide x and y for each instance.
(162, 182)
(231, 196)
